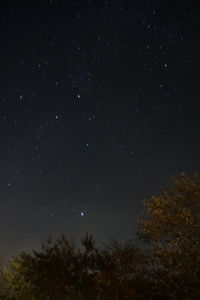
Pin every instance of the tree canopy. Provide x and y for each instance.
(162, 263)
(171, 230)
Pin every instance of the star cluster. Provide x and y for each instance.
(99, 106)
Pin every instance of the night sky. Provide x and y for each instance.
(99, 107)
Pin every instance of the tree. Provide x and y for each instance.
(165, 266)
(118, 267)
(57, 272)
(60, 271)
(171, 232)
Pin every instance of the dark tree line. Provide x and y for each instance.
(162, 263)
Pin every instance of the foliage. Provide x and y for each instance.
(171, 231)
(61, 272)
(165, 264)
(118, 272)
(57, 272)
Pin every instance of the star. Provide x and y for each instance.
(81, 110)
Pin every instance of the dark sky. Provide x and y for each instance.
(99, 107)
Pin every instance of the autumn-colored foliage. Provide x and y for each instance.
(163, 262)
(171, 233)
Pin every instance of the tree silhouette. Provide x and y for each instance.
(165, 264)
(171, 231)
(57, 272)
